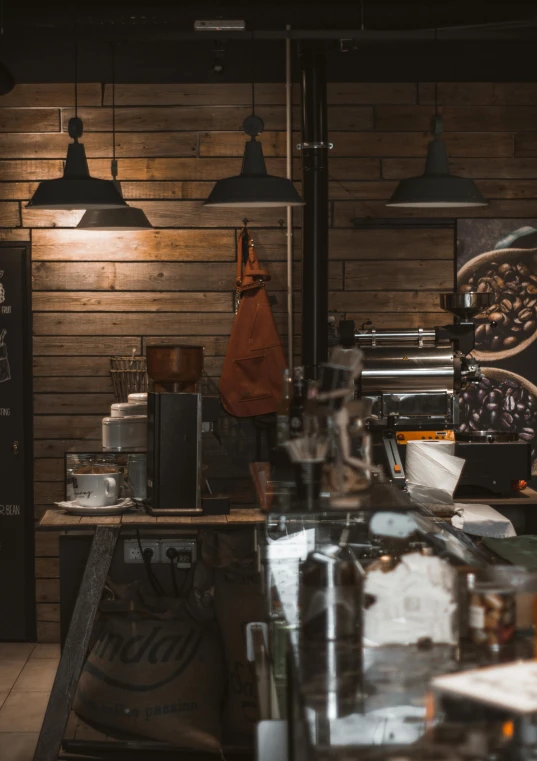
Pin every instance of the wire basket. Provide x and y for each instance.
(129, 376)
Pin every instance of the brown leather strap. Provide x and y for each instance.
(251, 275)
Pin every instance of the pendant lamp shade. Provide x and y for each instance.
(253, 187)
(436, 187)
(127, 218)
(77, 189)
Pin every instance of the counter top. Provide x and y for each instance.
(57, 519)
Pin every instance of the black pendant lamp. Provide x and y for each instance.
(77, 189)
(253, 187)
(436, 188)
(126, 218)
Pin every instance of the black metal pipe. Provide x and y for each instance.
(315, 219)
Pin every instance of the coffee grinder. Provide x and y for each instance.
(177, 416)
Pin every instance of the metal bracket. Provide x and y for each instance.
(314, 146)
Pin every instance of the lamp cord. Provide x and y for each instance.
(114, 162)
(436, 77)
(253, 73)
(76, 71)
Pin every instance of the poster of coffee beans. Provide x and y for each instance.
(499, 256)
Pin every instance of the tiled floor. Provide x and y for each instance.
(26, 675)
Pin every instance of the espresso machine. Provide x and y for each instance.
(177, 418)
(412, 379)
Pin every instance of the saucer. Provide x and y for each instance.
(120, 507)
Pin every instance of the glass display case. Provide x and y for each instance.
(364, 690)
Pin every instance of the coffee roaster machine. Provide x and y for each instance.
(413, 378)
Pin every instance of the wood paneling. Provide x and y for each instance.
(48, 612)
(415, 319)
(346, 93)
(51, 469)
(132, 302)
(46, 544)
(47, 568)
(67, 427)
(384, 301)
(146, 245)
(84, 345)
(164, 214)
(392, 244)
(47, 590)
(48, 632)
(58, 447)
(9, 214)
(366, 143)
(225, 117)
(526, 144)
(397, 169)
(346, 212)
(192, 323)
(77, 384)
(86, 369)
(29, 120)
(400, 275)
(458, 118)
(480, 94)
(151, 276)
(67, 404)
(43, 95)
(97, 145)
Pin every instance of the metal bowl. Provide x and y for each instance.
(465, 305)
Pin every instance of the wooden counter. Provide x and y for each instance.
(57, 519)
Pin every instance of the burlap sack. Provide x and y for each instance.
(238, 600)
(158, 678)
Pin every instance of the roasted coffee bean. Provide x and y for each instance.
(509, 403)
(514, 286)
(525, 314)
(503, 405)
(480, 333)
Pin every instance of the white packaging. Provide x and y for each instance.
(125, 433)
(433, 463)
(415, 600)
(482, 520)
(128, 409)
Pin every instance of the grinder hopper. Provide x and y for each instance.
(175, 368)
(464, 306)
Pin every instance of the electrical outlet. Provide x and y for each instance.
(186, 548)
(132, 554)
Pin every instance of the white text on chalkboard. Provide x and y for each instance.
(6, 310)
(10, 509)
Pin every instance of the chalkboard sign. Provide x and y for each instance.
(17, 584)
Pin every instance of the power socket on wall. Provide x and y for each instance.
(132, 554)
(185, 551)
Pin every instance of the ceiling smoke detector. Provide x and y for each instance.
(219, 25)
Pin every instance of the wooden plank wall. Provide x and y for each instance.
(97, 294)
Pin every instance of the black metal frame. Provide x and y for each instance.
(315, 218)
(28, 432)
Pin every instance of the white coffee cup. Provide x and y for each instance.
(97, 489)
